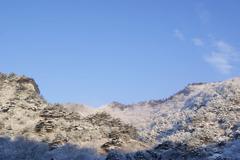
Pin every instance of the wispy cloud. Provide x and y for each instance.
(205, 16)
(224, 47)
(198, 42)
(179, 35)
(220, 61)
(222, 56)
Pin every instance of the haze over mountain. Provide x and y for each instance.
(199, 122)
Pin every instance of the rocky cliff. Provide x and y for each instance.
(25, 113)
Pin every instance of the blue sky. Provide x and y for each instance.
(95, 52)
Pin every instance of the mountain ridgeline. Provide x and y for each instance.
(202, 121)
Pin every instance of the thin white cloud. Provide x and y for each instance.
(220, 61)
(198, 42)
(205, 16)
(222, 57)
(179, 35)
(224, 47)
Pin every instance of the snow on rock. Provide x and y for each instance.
(23, 112)
(202, 121)
(201, 113)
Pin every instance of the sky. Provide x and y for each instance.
(94, 52)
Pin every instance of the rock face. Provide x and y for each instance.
(47, 125)
(202, 121)
(54, 111)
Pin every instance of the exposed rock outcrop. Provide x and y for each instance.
(53, 111)
(23, 112)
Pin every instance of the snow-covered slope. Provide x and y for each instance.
(82, 109)
(23, 112)
(202, 114)
(198, 114)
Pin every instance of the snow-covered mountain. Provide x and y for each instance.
(199, 114)
(23, 112)
(202, 121)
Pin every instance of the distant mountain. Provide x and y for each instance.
(202, 121)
